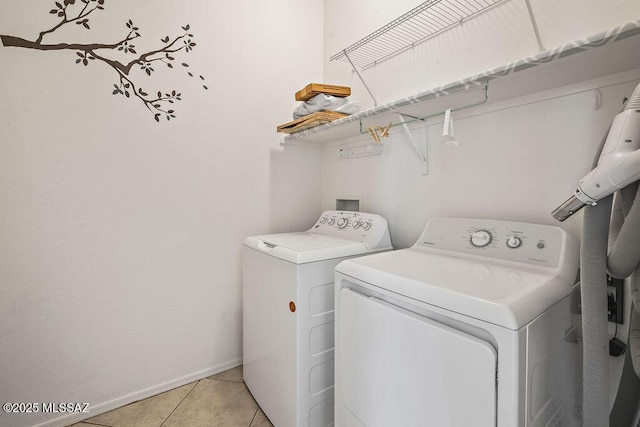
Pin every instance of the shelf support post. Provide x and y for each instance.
(532, 17)
(424, 158)
(375, 103)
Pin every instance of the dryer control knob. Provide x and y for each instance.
(356, 224)
(366, 226)
(342, 222)
(323, 220)
(331, 221)
(513, 242)
(480, 238)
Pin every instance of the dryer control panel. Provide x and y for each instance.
(507, 240)
(370, 229)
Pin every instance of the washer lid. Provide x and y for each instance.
(504, 293)
(303, 247)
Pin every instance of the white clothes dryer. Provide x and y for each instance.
(288, 313)
(474, 325)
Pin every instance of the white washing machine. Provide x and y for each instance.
(474, 325)
(288, 313)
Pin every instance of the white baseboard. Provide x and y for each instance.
(103, 407)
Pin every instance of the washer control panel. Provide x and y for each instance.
(507, 240)
(369, 228)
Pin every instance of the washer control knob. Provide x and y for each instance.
(480, 238)
(513, 242)
(356, 224)
(342, 222)
(331, 221)
(366, 226)
(323, 220)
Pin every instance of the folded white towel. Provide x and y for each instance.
(323, 102)
(349, 107)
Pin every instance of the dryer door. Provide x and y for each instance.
(400, 369)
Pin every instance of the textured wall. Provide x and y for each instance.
(121, 236)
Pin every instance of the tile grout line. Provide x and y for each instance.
(95, 424)
(174, 409)
(254, 416)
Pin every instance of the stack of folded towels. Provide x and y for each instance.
(321, 97)
(322, 103)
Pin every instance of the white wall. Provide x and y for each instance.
(516, 159)
(543, 146)
(121, 237)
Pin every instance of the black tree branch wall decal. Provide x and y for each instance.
(78, 12)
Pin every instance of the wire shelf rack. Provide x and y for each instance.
(415, 26)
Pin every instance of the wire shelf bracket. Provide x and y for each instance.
(366, 86)
(534, 25)
(423, 157)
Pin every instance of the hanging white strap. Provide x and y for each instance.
(447, 129)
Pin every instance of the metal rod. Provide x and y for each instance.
(375, 103)
(421, 156)
(532, 17)
(485, 89)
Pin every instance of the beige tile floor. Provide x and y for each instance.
(221, 400)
